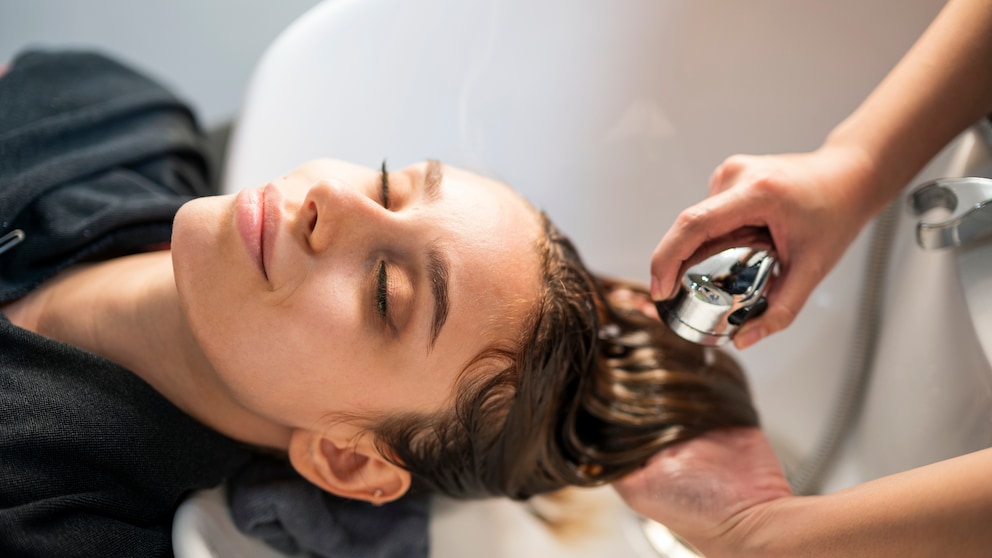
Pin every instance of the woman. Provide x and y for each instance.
(417, 330)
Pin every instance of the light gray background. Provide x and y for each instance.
(204, 50)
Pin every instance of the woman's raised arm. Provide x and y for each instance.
(814, 204)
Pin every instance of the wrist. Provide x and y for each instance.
(768, 530)
(755, 532)
(866, 182)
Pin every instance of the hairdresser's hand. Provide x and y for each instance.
(711, 490)
(812, 204)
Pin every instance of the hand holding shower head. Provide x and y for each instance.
(719, 294)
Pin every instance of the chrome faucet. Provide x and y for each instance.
(970, 212)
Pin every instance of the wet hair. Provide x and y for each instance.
(591, 390)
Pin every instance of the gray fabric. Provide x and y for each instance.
(269, 500)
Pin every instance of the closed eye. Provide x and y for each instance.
(382, 292)
(385, 186)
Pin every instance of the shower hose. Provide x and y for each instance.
(808, 475)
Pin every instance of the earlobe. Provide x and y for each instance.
(346, 466)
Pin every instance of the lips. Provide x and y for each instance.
(271, 203)
(250, 220)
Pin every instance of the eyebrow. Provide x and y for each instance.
(437, 262)
(437, 273)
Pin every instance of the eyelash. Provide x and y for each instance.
(382, 292)
(382, 283)
(384, 192)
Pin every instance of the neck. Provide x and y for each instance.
(128, 311)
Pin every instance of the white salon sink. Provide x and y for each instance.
(975, 271)
(929, 397)
(974, 261)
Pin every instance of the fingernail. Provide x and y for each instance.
(748, 336)
(655, 288)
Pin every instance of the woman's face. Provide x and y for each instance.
(321, 293)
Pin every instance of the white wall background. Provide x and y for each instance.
(204, 50)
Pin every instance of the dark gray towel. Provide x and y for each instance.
(271, 501)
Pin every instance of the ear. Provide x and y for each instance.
(347, 466)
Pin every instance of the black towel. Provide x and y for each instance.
(95, 159)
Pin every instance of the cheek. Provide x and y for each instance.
(274, 355)
(274, 366)
(293, 334)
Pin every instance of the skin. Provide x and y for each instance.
(317, 297)
(287, 355)
(724, 492)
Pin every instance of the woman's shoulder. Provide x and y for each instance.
(93, 460)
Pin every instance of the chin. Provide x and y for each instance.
(203, 257)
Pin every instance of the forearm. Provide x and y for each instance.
(939, 88)
(943, 509)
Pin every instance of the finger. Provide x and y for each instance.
(785, 299)
(728, 173)
(710, 219)
(755, 237)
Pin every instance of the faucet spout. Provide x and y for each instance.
(968, 200)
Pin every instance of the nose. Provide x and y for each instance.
(338, 212)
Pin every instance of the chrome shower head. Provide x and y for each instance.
(719, 294)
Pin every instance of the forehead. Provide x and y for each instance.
(495, 258)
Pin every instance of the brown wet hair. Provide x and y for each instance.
(592, 389)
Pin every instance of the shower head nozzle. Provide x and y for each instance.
(719, 294)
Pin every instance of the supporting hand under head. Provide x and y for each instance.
(712, 490)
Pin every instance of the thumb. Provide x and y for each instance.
(785, 300)
(755, 330)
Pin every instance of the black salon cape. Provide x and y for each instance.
(94, 162)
